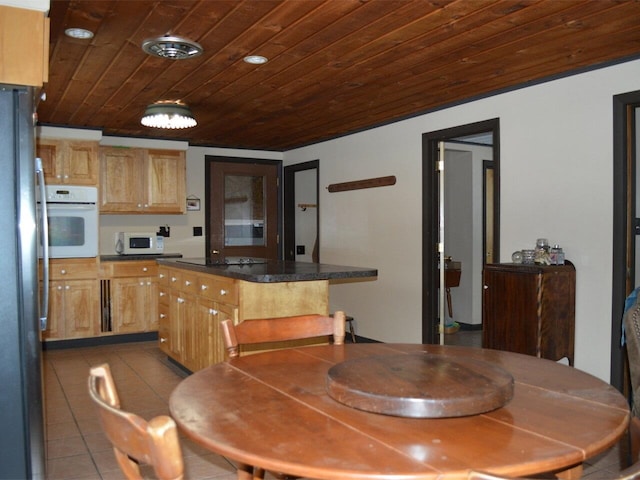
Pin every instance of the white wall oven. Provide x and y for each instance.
(73, 221)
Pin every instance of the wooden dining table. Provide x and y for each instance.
(277, 411)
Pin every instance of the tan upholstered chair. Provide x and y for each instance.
(135, 440)
(282, 329)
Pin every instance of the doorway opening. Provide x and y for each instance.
(481, 208)
(626, 225)
(302, 212)
(242, 207)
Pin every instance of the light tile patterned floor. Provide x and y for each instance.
(77, 449)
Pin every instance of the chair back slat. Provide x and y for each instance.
(282, 329)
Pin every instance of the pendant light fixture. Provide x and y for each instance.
(168, 114)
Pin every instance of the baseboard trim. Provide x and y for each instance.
(98, 341)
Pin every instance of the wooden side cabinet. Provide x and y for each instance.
(530, 309)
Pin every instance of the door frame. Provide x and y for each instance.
(624, 212)
(430, 274)
(290, 207)
(209, 160)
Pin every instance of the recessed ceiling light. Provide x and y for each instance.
(80, 33)
(255, 59)
(175, 48)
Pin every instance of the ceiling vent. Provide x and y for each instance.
(175, 48)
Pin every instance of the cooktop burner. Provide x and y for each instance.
(224, 261)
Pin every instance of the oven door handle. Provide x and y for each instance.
(80, 207)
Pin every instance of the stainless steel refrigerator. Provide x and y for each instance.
(22, 437)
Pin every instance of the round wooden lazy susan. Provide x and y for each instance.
(420, 385)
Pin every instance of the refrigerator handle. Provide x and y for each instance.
(44, 238)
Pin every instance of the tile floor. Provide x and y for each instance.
(77, 449)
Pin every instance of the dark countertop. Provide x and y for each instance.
(125, 258)
(274, 271)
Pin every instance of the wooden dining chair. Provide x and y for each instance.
(282, 329)
(135, 440)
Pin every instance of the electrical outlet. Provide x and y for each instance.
(164, 231)
(300, 249)
(197, 231)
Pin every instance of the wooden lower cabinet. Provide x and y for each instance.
(130, 289)
(73, 299)
(192, 305)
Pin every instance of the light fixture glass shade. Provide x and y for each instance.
(168, 114)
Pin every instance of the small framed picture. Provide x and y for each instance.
(193, 203)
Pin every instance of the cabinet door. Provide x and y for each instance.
(24, 37)
(181, 308)
(55, 319)
(80, 163)
(211, 314)
(510, 320)
(80, 308)
(166, 179)
(121, 180)
(133, 305)
(48, 151)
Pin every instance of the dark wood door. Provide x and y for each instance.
(242, 213)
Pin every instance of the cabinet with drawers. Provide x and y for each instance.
(192, 304)
(530, 309)
(73, 299)
(132, 295)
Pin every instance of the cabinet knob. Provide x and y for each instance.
(223, 292)
(163, 340)
(66, 177)
(213, 311)
(146, 205)
(142, 284)
(148, 283)
(174, 279)
(145, 269)
(181, 300)
(139, 205)
(162, 315)
(203, 287)
(486, 287)
(187, 283)
(162, 294)
(63, 272)
(162, 275)
(59, 287)
(58, 176)
(67, 287)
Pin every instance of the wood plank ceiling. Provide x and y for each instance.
(335, 66)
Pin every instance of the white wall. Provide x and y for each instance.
(556, 170)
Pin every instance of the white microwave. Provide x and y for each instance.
(139, 243)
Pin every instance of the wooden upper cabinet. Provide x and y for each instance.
(166, 181)
(69, 162)
(121, 182)
(135, 180)
(24, 46)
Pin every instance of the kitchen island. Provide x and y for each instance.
(196, 294)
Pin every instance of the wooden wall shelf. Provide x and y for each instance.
(360, 184)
